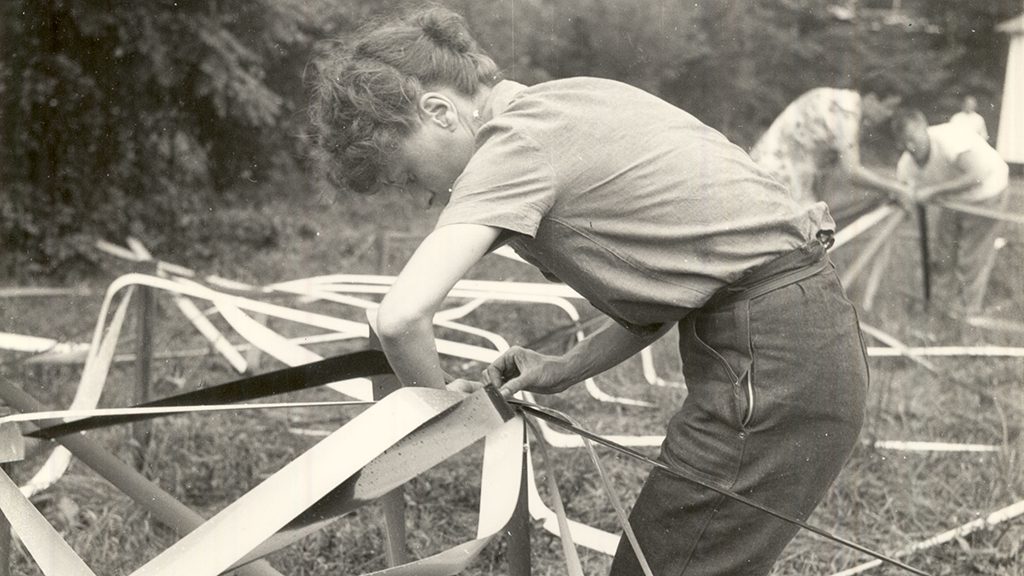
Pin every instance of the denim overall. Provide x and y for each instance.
(777, 376)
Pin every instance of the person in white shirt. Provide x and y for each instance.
(949, 163)
(968, 116)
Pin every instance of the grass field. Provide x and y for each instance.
(884, 499)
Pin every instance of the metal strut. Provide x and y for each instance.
(558, 419)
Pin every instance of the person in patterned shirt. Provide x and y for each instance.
(819, 134)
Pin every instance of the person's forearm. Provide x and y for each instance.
(405, 317)
(412, 353)
(861, 176)
(603, 350)
(940, 191)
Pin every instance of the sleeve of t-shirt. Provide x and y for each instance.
(508, 183)
(956, 140)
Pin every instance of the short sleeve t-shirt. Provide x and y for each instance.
(632, 202)
(948, 142)
(972, 121)
(806, 140)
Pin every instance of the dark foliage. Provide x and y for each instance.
(132, 119)
(124, 117)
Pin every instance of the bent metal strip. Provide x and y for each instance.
(557, 419)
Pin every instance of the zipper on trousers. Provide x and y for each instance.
(750, 401)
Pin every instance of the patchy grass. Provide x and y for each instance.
(883, 499)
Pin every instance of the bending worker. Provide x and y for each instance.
(661, 223)
(816, 140)
(949, 162)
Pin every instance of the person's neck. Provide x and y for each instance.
(481, 106)
(492, 100)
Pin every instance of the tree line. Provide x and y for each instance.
(145, 117)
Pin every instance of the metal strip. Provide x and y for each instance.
(94, 374)
(499, 485)
(220, 542)
(558, 420)
(419, 451)
(572, 558)
(44, 544)
(354, 365)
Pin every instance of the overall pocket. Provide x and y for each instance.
(717, 361)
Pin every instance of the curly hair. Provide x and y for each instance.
(364, 92)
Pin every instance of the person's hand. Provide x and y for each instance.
(924, 193)
(521, 369)
(906, 198)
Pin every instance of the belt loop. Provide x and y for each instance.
(826, 237)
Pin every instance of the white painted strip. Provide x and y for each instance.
(601, 396)
(572, 558)
(858, 226)
(507, 252)
(651, 375)
(41, 291)
(1003, 514)
(890, 340)
(241, 526)
(911, 446)
(1010, 217)
(214, 336)
(996, 324)
(138, 249)
(70, 353)
(948, 351)
(284, 350)
(341, 281)
(44, 544)
(90, 386)
(23, 343)
(584, 535)
(499, 486)
(115, 250)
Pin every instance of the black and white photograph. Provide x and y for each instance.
(512, 288)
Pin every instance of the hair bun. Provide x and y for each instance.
(446, 30)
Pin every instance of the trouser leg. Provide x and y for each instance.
(976, 253)
(776, 396)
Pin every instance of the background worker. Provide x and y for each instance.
(813, 146)
(949, 162)
(661, 223)
(969, 118)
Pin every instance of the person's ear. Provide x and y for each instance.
(439, 110)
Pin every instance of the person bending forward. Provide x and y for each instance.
(661, 223)
(948, 162)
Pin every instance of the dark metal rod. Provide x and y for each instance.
(356, 364)
(926, 265)
(519, 562)
(543, 413)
